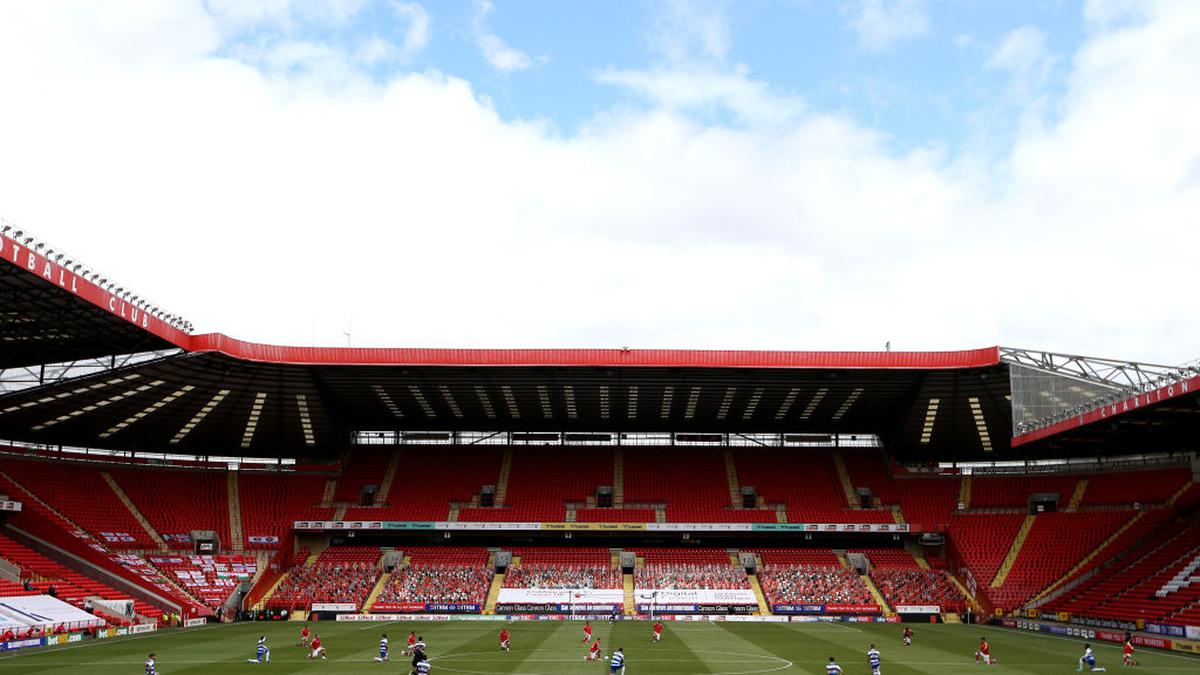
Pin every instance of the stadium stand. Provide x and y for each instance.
(431, 478)
(198, 501)
(868, 468)
(928, 502)
(271, 502)
(344, 574)
(614, 515)
(82, 495)
(806, 481)
(785, 584)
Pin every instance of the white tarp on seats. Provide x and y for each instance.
(42, 610)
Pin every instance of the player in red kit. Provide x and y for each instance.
(907, 636)
(594, 652)
(587, 632)
(1127, 654)
(504, 640)
(317, 649)
(984, 653)
(303, 637)
(657, 632)
(412, 642)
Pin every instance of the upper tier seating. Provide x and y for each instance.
(367, 466)
(990, 492)
(804, 479)
(868, 468)
(543, 479)
(430, 477)
(271, 502)
(1130, 487)
(702, 497)
(80, 493)
(198, 500)
(928, 502)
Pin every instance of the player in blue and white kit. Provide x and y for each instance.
(150, 663)
(832, 668)
(873, 660)
(616, 664)
(383, 649)
(1089, 659)
(261, 651)
(422, 667)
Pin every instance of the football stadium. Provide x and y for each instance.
(206, 503)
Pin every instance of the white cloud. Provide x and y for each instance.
(1023, 54)
(257, 201)
(686, 30)
(498, 53)
(881, 24)
(417, 35)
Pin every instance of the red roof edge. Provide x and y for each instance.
(661, 358)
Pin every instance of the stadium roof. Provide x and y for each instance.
(127, 376)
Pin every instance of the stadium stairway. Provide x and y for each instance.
(879, 599)
(839, 464)
(735, 490)
(964, 493)
(141, 519)
(502, 479)
(235, 514)
(618, 477)
(330, 491)
(375, 593)
(389, 477)
(630, 601)
(1077, 495)
(1091, 556)
(897, 515)
(1013, 552)
(489, 606)
(764, 609)
(262, 602)
(340, 512)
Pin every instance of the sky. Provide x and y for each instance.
(759, 174)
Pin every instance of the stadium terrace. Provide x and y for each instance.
(154, 477)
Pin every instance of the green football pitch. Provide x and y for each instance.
(555, 648)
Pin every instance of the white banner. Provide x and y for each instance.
(143, 628)
(9, 505)
(192, 623)
(334, 607)
(681, 596)
(919, 609)
(561, 596)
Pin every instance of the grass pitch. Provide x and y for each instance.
(555, 648)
